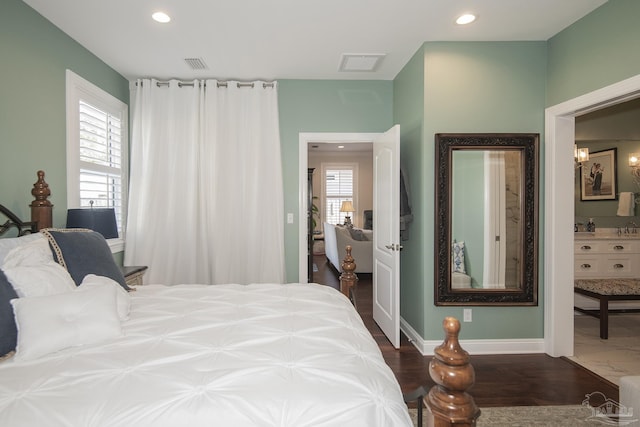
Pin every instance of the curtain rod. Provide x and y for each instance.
(219, 84)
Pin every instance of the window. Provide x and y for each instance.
(339, 185)
(97, 147)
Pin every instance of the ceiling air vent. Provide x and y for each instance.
(360, 61)
(196, 63)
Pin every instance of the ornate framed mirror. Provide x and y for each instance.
(486, 222)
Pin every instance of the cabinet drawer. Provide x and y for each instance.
(589, 247)
(618, 266)
(588, 266)
(625, 246)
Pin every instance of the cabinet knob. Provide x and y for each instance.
(618, 266)
(586, 266)
(618, 247)
(586, 247)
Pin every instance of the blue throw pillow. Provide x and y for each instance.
(457, 257)
(83, 252)
(8, 330)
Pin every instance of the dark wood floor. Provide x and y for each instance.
(501, 380)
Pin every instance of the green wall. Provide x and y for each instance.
(34, 55)
(323, 106)
(596, 51)
(467, 217)
(468, 87)
(408, 112)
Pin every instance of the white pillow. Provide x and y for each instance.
(7, 244)
(123, 300)
(34, 252)
(55, 322)
(35, 281)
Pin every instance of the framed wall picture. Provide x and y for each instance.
(599, 177)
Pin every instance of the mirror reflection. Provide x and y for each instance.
(485, 247)
(486, 219)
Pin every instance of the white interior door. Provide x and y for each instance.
(386, 233)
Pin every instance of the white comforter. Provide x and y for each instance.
(226, 355)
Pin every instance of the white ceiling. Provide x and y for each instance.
(291, 39)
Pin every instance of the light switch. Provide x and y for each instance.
(467, 315)
(289, 218)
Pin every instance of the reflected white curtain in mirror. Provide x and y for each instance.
(495, 220)
(206, 197)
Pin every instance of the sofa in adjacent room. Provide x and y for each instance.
(336, 239)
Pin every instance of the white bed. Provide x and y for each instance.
(225, 355)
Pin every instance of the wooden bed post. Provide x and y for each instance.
(41, 208)
(448, 403)
(348, 278)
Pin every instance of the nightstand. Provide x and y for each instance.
(133, 274)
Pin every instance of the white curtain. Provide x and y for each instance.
(206, 198)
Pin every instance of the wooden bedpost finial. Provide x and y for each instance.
(41, 208)
(348, 278)
(41, 191)
(448, 402)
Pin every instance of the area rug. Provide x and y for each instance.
(524, 416)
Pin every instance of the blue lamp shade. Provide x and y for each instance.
(102, 220)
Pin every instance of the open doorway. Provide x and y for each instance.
(306, 140)
(559, 208)
(342, 178)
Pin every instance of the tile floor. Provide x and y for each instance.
(612, 358)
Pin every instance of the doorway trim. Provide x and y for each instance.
(304, 139)
(560, 209)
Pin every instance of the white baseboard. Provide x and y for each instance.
(493, 346)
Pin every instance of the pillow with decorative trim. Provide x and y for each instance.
(8, 331)
(457, 258)
(83, 252)
(55, 322)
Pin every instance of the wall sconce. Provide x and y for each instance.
(347, 207)
(580, 155)
(634, 164)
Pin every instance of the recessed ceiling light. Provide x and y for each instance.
(161, 17)
(340, 146)
(465, 19)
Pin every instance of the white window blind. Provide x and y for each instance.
(97, 145)
(338, 187)
(100, 158)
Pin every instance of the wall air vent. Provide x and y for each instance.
(196, 63)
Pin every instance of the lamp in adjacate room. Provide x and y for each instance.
(347, 207)
(102, 220)
(580, 155)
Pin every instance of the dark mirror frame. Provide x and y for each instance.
(446, 144)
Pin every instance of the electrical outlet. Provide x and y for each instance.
(289, 218)
(467, 315)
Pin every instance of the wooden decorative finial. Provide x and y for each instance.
(41, 191)
(41, 208)
(348, 278)
(448, 402)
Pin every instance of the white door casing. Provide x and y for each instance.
(559, 208)
(386, 233)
